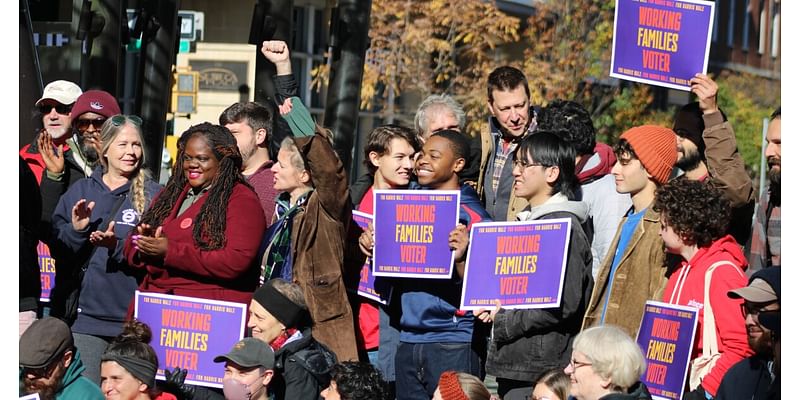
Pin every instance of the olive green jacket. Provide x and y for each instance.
(640, 276)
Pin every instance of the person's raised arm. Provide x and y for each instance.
(725, 164)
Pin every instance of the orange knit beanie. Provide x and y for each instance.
(450, 388)
(656, 147)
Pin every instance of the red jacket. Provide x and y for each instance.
(227, 274)
(686, 287)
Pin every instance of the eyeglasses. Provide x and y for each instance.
(522, 164)
(574, 364)
(83, 124)
(119, 119)
(60, 108)
(754, 308)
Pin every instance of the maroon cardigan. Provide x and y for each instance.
(227, 274)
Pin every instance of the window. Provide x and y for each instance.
(746, 31)
(776, 29)
(731, 22)
(308, 47)
(716, 24)
(762, 30)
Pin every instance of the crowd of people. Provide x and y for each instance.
(258, 211)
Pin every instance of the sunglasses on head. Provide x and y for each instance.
(60, 108)
(119, 119)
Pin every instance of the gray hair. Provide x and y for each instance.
(613, 354)
(289, 145)
(437, 102)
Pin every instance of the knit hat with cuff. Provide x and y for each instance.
(656, 147)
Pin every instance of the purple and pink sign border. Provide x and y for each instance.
(442, 220)
(670, 4)
(485, 247)
(236, 333)
(677, 376)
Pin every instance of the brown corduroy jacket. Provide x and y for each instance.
(640, 276)
(318, 235)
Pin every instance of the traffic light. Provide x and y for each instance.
(184, 91)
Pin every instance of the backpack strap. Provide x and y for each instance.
(710, 346)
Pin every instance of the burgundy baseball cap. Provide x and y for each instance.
(96, 101)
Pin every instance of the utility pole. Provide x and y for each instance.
(154, 78)
(349, 43)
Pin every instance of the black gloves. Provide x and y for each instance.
(697, 394)
(174, 384)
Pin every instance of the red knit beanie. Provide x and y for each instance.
(656, 147)
(450, 388)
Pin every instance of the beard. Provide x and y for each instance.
(45, 391)
(88, 150)
(761, 346)
(774, 174)
(57, 133)
(691, 160)
(248, 151)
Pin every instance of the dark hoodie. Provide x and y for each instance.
(108, 284)
(302, 369)
(686, 287)
(526, 343)
(430, 306)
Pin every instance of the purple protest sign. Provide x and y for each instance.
(366, 285)
(522, 264)
(189, 332)
(666, 337)
(661, 42)
(47, 271)
(412, 228)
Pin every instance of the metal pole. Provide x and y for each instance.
(159, 57)
(763, 166)
(347, 69)
(30, 77)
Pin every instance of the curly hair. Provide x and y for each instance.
(209, 225)
(359, 381)
(624, 150)
(698, 212)
(572, 122)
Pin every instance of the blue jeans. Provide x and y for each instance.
(419, 365)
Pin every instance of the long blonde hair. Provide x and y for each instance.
(108, 133)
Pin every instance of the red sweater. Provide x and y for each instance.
(686, 287)
(227, 274)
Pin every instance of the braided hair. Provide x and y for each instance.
(209, 225)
